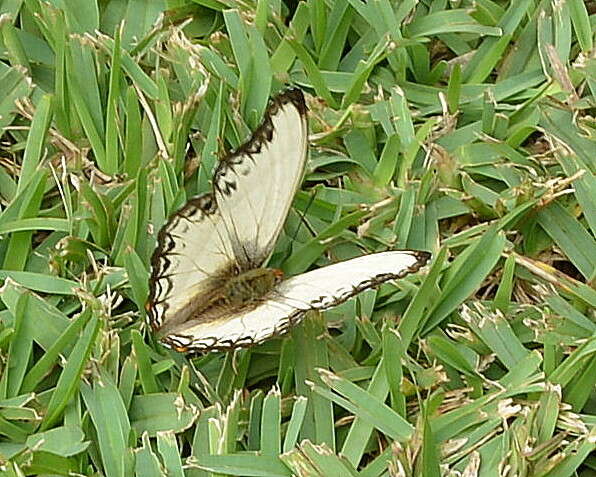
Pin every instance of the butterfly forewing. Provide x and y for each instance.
(254, 188)
(291, 299)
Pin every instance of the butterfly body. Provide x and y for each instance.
(226, 294)
(238, 291)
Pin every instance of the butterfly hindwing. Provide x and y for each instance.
(192, 247)
(315, 290)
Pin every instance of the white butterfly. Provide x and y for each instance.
(207, 290)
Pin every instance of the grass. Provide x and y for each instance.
(462, 128)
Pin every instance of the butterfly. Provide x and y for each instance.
(208, 287)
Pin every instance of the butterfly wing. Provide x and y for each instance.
(235, 227)
(255, 186)
(286, 305)
(192, 248)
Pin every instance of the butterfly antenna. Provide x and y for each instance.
(302, 220)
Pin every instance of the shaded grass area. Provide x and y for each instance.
(461, 128)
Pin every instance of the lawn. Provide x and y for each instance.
(462, 128)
